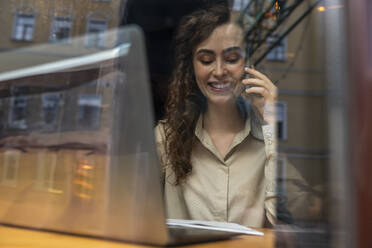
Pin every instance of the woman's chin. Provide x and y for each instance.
(221, 99)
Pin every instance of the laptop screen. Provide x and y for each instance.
(77, 151)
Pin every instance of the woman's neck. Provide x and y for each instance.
(223, 118)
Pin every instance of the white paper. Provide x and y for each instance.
(214, 225)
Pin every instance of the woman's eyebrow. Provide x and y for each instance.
(232, 49)
(205, 51)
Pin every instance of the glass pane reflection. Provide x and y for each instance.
(54, 128)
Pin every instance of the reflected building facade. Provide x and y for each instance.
(36, 21)
(44, 126)
(296, 66)
(79, 118)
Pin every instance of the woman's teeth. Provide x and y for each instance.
(220, 85)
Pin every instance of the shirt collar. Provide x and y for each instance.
(205, 139)
(252, 123)
(251, 126)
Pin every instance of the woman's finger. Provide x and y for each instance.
(254, 81)
(265, 82)
(258, 82)
(257, 74)
(258, 90)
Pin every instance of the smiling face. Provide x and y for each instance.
(219, 64)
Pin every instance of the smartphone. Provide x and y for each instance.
(246, 75)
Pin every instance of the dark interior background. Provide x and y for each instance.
(159, 20)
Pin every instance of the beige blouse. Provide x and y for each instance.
(239, 187)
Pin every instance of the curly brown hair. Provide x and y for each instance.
(185, 101)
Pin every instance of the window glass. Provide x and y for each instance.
(10, 168)
(66, 76)
(50, 108)
(281, 120)
(18, 112)
(45, 173)
(61, 29)
(279, 52)
(239, 4)
(89, 111)
(24, 27)
(95, 33)
(281, 175)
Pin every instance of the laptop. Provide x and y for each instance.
(77, 149)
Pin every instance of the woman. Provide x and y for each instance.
(217, 162)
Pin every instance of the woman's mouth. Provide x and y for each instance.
(219, 86)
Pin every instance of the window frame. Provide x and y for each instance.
(53, 29)
(284, 132)
(274, 54)
(17, 16)
(101, 34)
(6, 166)
(18, 124)
(281, 175)
(92, 103)
(45, 181)
(56, 104)
(239, 5)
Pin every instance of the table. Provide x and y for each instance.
(12, 237)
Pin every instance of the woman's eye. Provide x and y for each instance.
(206, 62)
(205, 59)
(232, 59)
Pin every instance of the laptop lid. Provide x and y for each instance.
(77, 150)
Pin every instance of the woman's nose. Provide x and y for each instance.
(220, 69)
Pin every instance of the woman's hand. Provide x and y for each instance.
(263, 94)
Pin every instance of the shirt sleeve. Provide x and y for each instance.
(271, 196)
(279, 207)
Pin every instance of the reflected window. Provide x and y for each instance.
(61, 29)
(24, 27)
(50, 108)
(281, 175)
(2, 116)
(89, 111)
(281, 118)
(96, 33)
(46, 171)
(18, 112)
(240, 4)
(279, 52)
(10, 168)
(84, 186)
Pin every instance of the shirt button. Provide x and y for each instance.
(268, 134)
